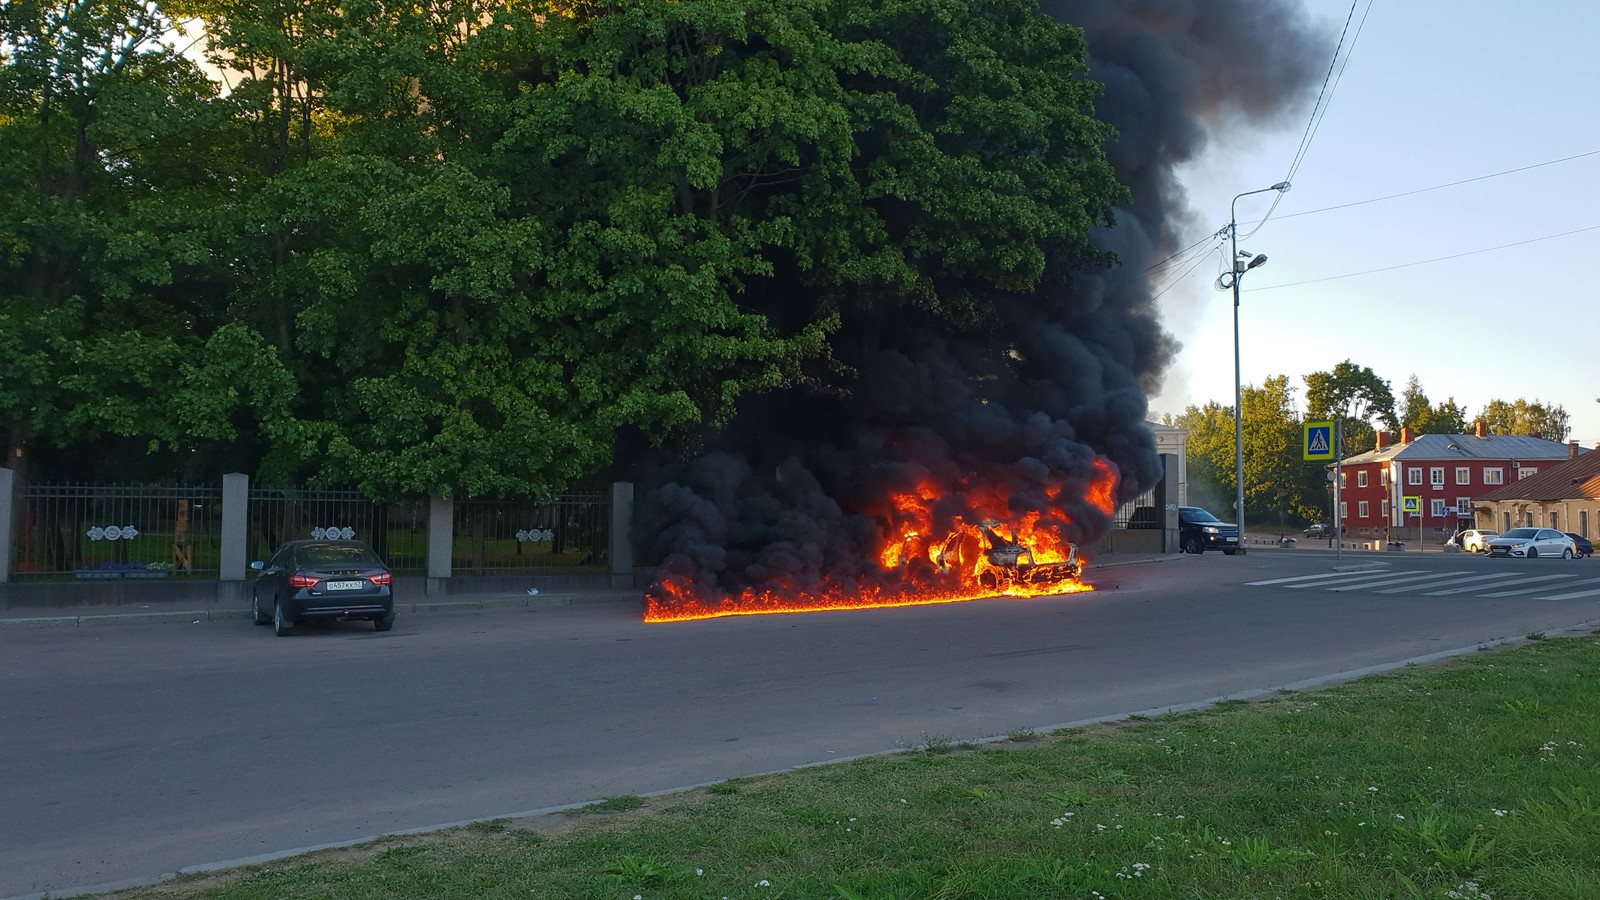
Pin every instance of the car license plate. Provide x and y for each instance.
(1233, 540)
(344, 585)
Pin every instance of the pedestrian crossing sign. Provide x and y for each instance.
(1411, 506)
(1318, 441)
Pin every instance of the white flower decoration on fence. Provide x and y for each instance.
(333, 534)
(535, 534)
(112, 533)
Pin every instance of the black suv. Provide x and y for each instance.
(1199, 531)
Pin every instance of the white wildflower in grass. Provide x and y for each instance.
(763, 883)
(1177, 817)
(1400, 817)
(1372, 790)
(1498, 812)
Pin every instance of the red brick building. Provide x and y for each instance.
(1446, 471)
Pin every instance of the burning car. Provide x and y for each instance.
(995, 560)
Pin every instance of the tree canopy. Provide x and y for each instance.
(458, 246)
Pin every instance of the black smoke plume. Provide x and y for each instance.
(791, 493)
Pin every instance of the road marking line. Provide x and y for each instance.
(1357, 578)
(1425, 576)
(1313, 577)
(1575, 594)
(1450, 580)
(1535, 590)
(1477, 587)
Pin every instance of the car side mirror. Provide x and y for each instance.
(258, 565)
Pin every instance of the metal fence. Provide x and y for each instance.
(1126, 512)
(569, 534)
(397, 531)
(118, 531)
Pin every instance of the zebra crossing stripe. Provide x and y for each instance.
(1575, 594)
(1475, 587)
(1309, 578)
(1535, 590)
(1425, 576)
(1451, 580)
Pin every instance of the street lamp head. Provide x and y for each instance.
(1281, 187)
(1260, 259)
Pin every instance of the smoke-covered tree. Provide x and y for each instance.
(1521, 417)
(1422, 416)
(458, 246)
(1358, 396)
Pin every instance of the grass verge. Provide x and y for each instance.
(1471, 779)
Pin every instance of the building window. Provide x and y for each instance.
(1361, 480)
(1344, 510)
(1413, 475)
(1463, 506)
(1463, 475)
(1494, 476)
(1555, 520)
(1383, 507)
(1583, 522)
(1437, 510)
(1527, 520)
(1526, 472)
(1505, 518)
(1344, 481)
(1436, 476)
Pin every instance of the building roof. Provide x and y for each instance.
(1465, 447)
(1572, 480)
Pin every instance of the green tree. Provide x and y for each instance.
(459, 246)
(102, 129)
(1420, 415)
(1280, 486)
(1520, 417)
(1356, 395)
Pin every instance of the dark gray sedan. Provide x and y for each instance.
(327, 580)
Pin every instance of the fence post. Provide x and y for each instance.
(235, 526)
(8, 521)
(620, 551)
(441, 538)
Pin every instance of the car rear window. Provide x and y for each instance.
(315, 554)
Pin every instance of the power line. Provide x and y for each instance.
(1442, 186)
(1330, 84)
(1423, 262)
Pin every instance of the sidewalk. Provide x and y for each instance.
(180, 613)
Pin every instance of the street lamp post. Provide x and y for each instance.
(1240, 266)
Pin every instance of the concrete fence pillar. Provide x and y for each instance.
(9, 516)
(620, 551)
(235, 527)
(441, 538)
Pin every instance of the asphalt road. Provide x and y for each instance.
(127, 752)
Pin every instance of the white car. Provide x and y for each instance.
(1531, 543)
(1472, 540)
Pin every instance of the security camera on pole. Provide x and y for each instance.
(1242, 262)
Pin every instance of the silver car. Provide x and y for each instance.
(1530, 543)
(1473, 539)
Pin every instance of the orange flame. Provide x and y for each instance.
(925, 562)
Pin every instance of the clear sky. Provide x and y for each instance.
(1434, 92)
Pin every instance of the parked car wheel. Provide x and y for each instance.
(1226, 552)
(383, 624)
(256, 615)
(1533, 552)
(280, 626)
(1192, 545)
(1566, 554)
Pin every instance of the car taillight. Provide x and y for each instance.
(380, 578)
(303, 581)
